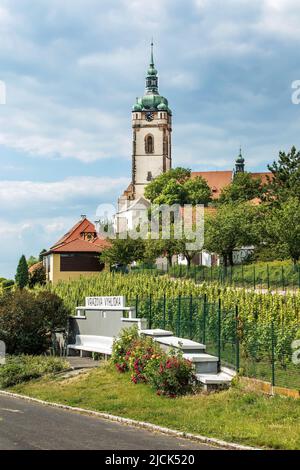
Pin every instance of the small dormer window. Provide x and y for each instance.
(88, 236)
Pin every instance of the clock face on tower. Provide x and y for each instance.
(149, 116)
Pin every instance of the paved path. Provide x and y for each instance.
(25, 425)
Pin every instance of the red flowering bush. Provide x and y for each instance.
(143, 350)
(122, 348)
(171, 375)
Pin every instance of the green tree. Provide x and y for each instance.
(41, 255)
(155, 188)
(153, 250)
(31, 261)
(169, 248)
(242, 188)
(177, 187)
(283, 226)
(123, 251)
(27, 320)
(285, 179)
(231, 227)
(37, 275)
(198, 191)
(22, 273)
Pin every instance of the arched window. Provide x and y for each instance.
(149, 144)
(166, 146)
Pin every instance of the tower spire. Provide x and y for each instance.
(151, 78)
(151, 59)
(240, 163)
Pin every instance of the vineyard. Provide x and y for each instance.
(247, 330)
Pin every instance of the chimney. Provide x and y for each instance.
(83, 216)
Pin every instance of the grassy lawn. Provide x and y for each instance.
(235, 415)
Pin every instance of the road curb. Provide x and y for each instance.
(132, 422)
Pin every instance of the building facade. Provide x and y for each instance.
(76, 254)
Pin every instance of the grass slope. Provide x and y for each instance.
(234, 415)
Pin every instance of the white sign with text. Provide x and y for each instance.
(117, 301)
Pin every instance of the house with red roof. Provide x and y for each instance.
(75, 254)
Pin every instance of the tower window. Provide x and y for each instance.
(149, 144)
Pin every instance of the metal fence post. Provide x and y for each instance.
(204, 318)
(254, 277)
(273, 354)
(164, 312)
(150, 311)
(219, 332)
(243, 281)
(179, 315)
(191, 317)
(237, 340)
(268, 276)
(137, 306)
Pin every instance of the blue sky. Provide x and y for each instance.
(72, 70)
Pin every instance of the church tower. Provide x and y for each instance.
(151, 131)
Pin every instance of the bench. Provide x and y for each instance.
(91, 343)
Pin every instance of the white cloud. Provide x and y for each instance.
(17, 194)
(280, 17)
(41, 127)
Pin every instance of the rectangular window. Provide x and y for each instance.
(85, 262)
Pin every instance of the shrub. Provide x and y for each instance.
(121, 346)
(141, 352)
(170, 375)
(27, 320)
(18, 369)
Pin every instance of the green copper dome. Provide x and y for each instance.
(151, 100)
(162, 106)
(137, 107)
(152, 71)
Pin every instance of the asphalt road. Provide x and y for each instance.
(30, 426)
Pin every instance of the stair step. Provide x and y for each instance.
(214, 379)
(156, 332)
(185, 345)
(200, 357)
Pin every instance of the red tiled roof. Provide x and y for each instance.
(264, 176)
(216, 180)
(81, 246)
(35, 266)
(73, 240)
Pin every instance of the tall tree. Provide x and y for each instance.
(41, 255)
(177, 187)
(123, 251)
(242, 188)
(232, 226)
(22, 275)
(155, 188)
(285, 179)
(283, 226)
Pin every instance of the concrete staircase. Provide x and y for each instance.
(206, 366)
